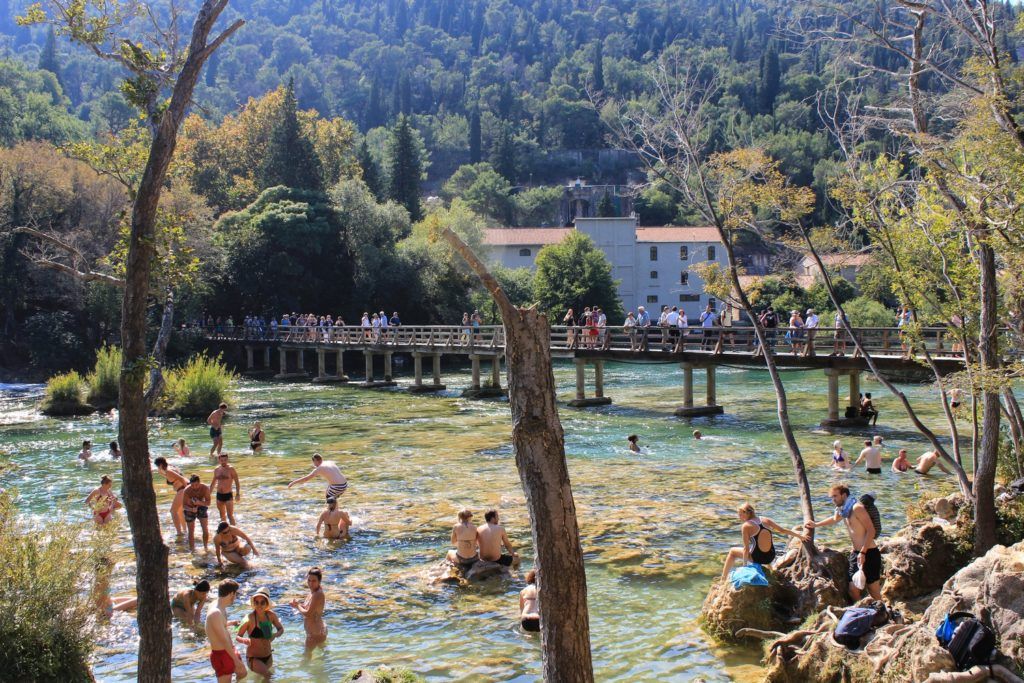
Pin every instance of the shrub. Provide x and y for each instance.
(386, 674)
(103, 380)
(64, 395)
(196, 388)
(46, 618)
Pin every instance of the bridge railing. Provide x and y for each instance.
(939, 341)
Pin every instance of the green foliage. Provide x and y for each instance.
(290, 159)
(54, 341)
(47, 620)
(517, 283)
(33, 107)
(537, 206)
(654, 207)
(103, 381)
(386, 674)
(197, 387)
(484, 190)
(606, 207)
(371, 171)
(865, 312)
(405, 168)
(64, 389)
(575, 274)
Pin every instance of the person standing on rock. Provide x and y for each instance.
(758, 546)
(866, 554)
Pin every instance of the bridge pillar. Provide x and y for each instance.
(496, 372)
(387, 366)
(475, 363)
(248, 357)
(368, 357)
(852, 417)
(302, 361)
(341, 365)
(833, 393)
(581, 400)
(417, 363)
(282, 370)
(266, 357)
(321, 364)
(710, 406)
(855, 389)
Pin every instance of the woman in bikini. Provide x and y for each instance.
(228, 543)
(258, 631)
(178, 482)
(181, 449)
(256, 437)
(839, 461)
(758, 545)
(106, 604)
(312, 610)
(529, 605)
(187, 604)
(103, 501)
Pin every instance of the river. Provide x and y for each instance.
(655, 526)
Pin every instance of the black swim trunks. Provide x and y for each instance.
(214, 433)
(201, 512)
(874, 470)
(530, 624)
(224, 497)
(872, 565)
(506, 560)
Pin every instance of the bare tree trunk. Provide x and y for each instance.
(988, 356)
(1016, 422)
(540, 457)
(154, 664)
(163, 337)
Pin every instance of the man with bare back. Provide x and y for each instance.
(493, 540)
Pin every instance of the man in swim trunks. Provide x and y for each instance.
(103, 501)
(866, 554)
(196, 506)
(868, 410)
(493, 539)
(529, 604)
(223, 656)
(337, 521)
(927, 461)
(216, 422)
(223, 478)
(465, 538)
(337, 484)
(872, 457)
(312, 610)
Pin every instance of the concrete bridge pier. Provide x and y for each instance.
(851, 416)
(283, 372)
(598, 399)
(493, 388)
(418, 387)
(250, 361)
(710, 406)
(339, 366)
(369, 382)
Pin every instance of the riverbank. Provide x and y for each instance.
(655, 527)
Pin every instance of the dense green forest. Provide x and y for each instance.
(341, 120)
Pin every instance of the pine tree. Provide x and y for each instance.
(401, 19)
(606, 207)
(290, 159)
(503, 154)
(475, 137)
(374, 114)
(477, 29)
(506, 101)
(212, 66)
(598, 72)
(770, 79)
(738, 52)
(371, 171)
(406, 167)
(48, 57)
(404, 93)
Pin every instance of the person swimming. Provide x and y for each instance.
(901, 464)
(697, 435)
(634, 444)
(529, 604)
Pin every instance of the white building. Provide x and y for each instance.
(652, 265)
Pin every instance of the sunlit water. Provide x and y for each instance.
(654, 526)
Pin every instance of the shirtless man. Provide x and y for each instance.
(336, 481)
(196, 506)
(103, 501)
(465, 538)
(337, 521)
(228, 546)
(312, 610)
(865, 554)
(529, 604)
(927, 461)
(216, 422)
(224, 477)
(223, 656)
(868, 410)
(86, 453)
(492, 539)
(872, 457)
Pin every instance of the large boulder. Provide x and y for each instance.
(919, 559)
(726, 610)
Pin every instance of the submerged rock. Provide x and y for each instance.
(448, 573)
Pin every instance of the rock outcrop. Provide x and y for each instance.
(919, 559)
(448, 573)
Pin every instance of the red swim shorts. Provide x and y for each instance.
(223, 663)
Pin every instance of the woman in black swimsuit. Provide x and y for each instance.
(178, 481)
(758, 545)
(262, 627)
(256, 437)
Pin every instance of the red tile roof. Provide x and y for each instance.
(673, 233)
(501, 237)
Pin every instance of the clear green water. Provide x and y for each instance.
(654, 526)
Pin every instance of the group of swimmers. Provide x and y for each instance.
(871, 456)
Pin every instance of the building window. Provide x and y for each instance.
(524, 252)
(684, 253)
(712, 303)
(654, 275)
(689, 297)
(684, 278)
(652, 298)
(711, 253)
(654, 253)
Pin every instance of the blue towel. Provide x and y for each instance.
(750, 575)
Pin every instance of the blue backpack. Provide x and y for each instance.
(855, 624)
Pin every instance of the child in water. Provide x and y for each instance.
(633, 440)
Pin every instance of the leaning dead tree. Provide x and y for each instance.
(540, 458)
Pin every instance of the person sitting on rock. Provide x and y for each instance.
(493, 540)
(466, 539)
(758, 545)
